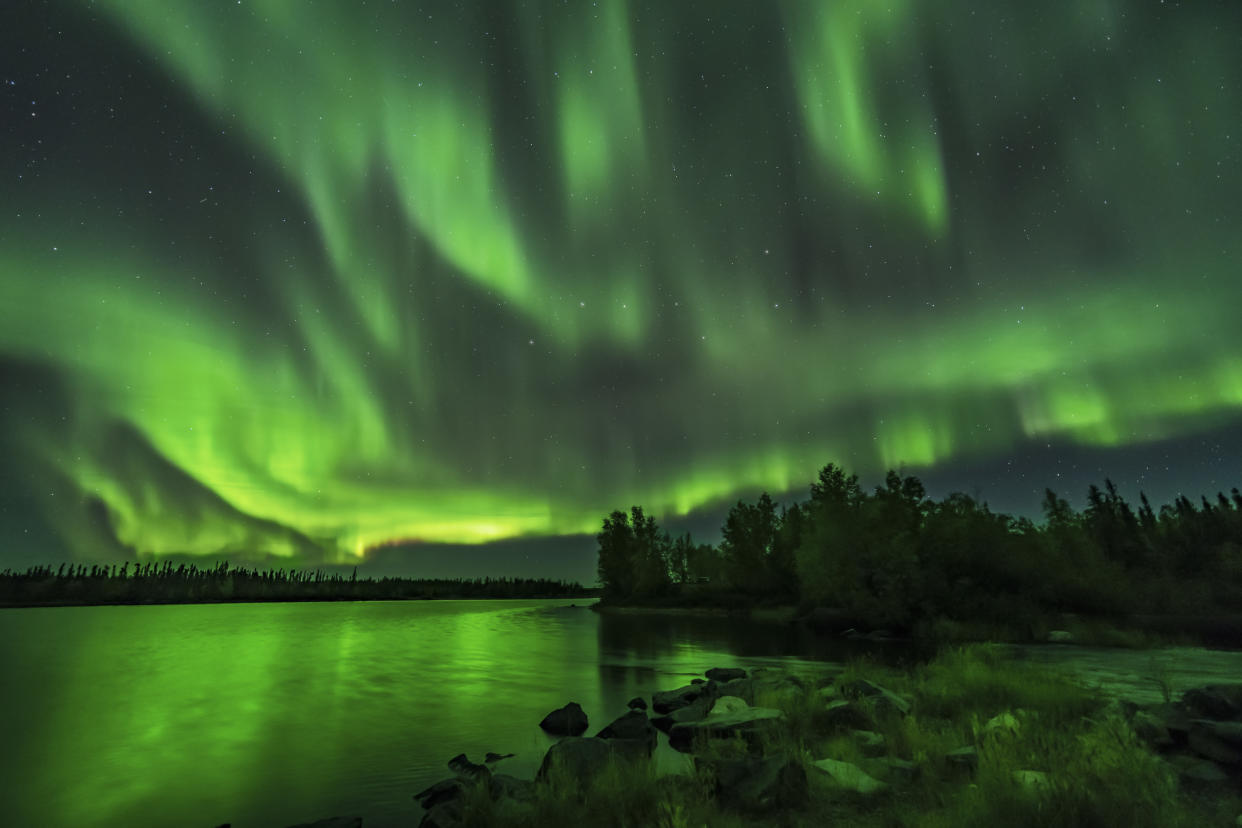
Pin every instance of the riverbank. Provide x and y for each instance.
(972, 737)
(1132, 632)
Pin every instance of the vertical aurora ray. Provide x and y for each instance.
(314, 279)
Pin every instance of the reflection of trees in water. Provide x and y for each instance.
(654, 636)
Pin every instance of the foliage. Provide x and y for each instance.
(896, 559)
(154, 583)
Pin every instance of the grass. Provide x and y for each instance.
(1095, 771)
(1084, 631)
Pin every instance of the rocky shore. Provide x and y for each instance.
(752, 760)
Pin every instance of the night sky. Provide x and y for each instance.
(435, 286)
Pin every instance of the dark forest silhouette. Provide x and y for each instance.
(164, 583)
(895, 558)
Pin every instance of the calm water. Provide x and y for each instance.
(270, 714)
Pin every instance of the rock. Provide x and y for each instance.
(1151, 729)
(693, 712)
(1228, 732)
(742, 688)
(848, 715)
(670, 700)
(496, 757)
(504, 786)
(332, 822)
(445, 815)
(578, 758)
(890, 768)
(775, 689)
(468, 771)
(442, 791)
(728, 706)
(725, 673)
(632, 732)
(965, 757)
(569, 720)
(1203, 741)
(1175, 721)
(1031, 780)
(1199, 773)
(1005, 723)
(749, 724)
(1060, 637)
(758, 783)
(869, 742)
(850, 777)
(637, 703)
(883, 699)
(1222, 702)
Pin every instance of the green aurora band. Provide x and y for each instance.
(475, 271)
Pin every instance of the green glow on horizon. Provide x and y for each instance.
(507, 268)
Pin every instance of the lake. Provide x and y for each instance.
(272, 714)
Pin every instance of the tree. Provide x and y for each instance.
(616, 556)
(749, 538)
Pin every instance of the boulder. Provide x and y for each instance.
(756, 784)
(892, 769)
(1199, 773)
(1002, 723)
(569, 720)
(848, 715)
(468, 771)
(445, 815)
(725, 673)
(637, 703)
(882, 699)
(775, 688)
(332, 822)
(1228, 732)
(670, 700)
(849, 776)
(503, 786)
(632, 733)
(693, 712)
(964, 757)
(1174, 719)
(1031, 780)
(1204, 741)
(869, 742)
(1222, 702)
(1151, 729)
(728, 706)
(579, 758)
(742, 688)
(443, 791)
(749, 724)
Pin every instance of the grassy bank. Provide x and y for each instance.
(1042, 751)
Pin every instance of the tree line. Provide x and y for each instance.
(893, 557)
(163, 583)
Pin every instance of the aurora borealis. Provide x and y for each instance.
(299, 281)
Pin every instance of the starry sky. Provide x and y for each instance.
(433, 286)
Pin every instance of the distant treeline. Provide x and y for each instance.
(164, 583)
(895, 558)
